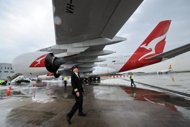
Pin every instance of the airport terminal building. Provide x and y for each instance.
(6, 70)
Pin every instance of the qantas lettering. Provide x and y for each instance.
(70, 7)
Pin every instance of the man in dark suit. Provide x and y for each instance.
(78, 93)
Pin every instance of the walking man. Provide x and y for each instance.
(78, 94)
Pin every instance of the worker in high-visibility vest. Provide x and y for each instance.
(65, 82)
(132, 80)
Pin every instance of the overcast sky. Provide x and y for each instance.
(27, 25)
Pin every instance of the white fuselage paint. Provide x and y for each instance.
(23, 66)
(110, 66)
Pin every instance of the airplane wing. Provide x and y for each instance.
(85, 60)
(172, 53)
(81, 20)
(84, 27)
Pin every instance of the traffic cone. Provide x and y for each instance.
(8, 91)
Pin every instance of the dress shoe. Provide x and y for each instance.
(82, 114)
(68, 119)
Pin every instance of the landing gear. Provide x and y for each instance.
(94, 79)
(91, 80)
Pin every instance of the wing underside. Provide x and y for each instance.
(84, 27)
(81, 20)
(85, 60)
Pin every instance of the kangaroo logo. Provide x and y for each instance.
(39, 62)
(151, 46)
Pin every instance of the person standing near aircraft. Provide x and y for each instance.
(65, 82)
(132, 80)
(78, 93)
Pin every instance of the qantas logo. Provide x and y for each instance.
(40, 62)
(151, 46)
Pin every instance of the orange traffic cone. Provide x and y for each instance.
(8, 91)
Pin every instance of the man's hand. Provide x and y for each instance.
(77, 94)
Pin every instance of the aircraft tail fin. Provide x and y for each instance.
(153, 45)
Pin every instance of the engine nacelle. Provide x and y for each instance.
(37, 63)
(50, 63)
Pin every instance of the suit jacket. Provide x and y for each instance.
(76, 83)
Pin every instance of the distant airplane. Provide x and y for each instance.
(81, 35)
(166, 70)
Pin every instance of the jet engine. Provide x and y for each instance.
(37, 63)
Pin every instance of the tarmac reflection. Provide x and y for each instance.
(159, 98)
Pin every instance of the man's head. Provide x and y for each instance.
(75, 69)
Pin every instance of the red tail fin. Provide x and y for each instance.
(153, 45)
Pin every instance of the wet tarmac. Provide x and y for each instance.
(107, 106)
(172, 81)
